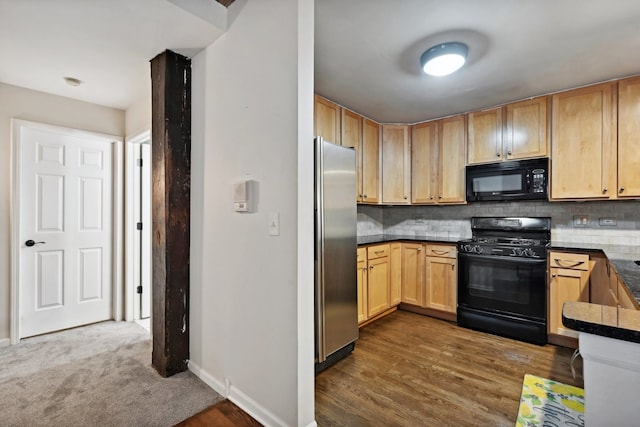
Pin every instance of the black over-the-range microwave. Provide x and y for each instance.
(511, 180)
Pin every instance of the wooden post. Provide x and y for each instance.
(171, 184)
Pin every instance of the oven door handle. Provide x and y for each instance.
(505, 258)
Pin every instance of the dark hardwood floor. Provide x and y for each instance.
(222, 414)
(412, 370)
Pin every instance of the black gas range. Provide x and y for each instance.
(502, 277)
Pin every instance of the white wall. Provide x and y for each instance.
(138, 115)
(252, 119)
(17, 102)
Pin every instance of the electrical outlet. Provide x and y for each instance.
(607, 222)
(580, 220)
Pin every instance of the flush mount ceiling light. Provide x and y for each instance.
(444, 58)
(72, 81)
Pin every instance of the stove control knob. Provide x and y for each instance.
(478, 249)
(529, 252)
(468, 248)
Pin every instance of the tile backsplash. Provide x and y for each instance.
(616, 222)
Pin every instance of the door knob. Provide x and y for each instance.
(30, 243)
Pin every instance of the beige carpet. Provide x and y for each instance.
(98, 375)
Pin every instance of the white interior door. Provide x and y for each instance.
(142, 239)
(66, 209)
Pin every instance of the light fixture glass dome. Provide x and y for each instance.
(444, 59)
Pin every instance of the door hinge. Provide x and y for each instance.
(139, 226)
(139, 289)
(139, 162)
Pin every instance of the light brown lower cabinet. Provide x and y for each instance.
(624, 299)
(568, 281)
(361, 277)
(378, 279)
(442, 278)
(430, 276)
(413, 273)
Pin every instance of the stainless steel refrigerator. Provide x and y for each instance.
(336, 296)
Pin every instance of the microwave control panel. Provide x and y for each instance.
(538, 184)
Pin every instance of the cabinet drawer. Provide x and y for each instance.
(362, 254)
(569, 260)
(445, 251)
(377, 251)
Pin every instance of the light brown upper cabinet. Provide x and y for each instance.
(326, 119)
(438, 160)
(515, 131)
(628, 132)
(485, 136)
(352, 137)
(396, 164)
(527, 129)
(584, 135)
(370, 162)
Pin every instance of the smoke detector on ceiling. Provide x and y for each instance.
(72, 81)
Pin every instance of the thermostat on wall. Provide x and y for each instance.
(242, 196)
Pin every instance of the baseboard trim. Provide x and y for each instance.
(4, 342)
(206, 378)
(243, 401)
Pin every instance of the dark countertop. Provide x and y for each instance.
(385, 238)
(622, 258)
(612, 322)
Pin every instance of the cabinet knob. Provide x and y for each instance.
(604, 190)
(365, 196)
(498, 154)
(419, 249)
(405, 197)
(453, 266)
(431, 197)
(509, 152)
(621, 190)
(371, 267)
(439, 197)
(553, 275)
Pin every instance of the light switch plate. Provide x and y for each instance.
(274, 224)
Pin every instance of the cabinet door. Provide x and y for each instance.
(413, 273)
(485, 136)
(583, 153)
(361, 280)
(424, 163)
(352, 137)
(452, 145)
(628, 131)
(527, 129)
(624, 299)
(378, 286)
(395, 284)
(326, 120)
(370, 162)
(441, 284)
(565, 285)
(396, 166)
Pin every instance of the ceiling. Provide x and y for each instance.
(367, 52)
(107, 44)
